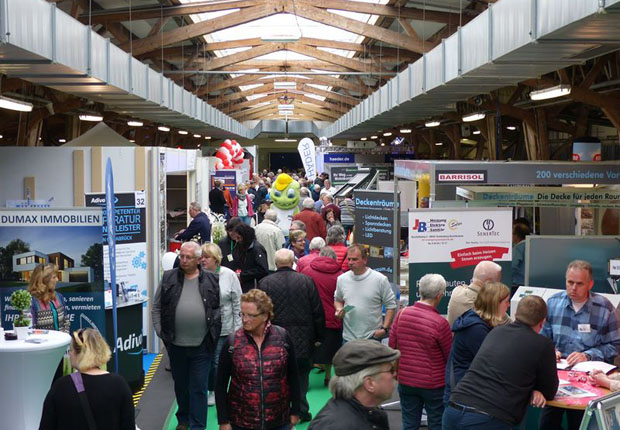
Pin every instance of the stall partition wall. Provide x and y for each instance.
(546, 259)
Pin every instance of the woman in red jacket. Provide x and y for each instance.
(424, 339)
(335, 239)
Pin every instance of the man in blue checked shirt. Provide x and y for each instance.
(583, 326)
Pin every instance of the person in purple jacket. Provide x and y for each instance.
(424, 339)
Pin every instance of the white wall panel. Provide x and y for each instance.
(29, 24)
(99, 57)
(511, 26)
(475, 40)
(554, 15)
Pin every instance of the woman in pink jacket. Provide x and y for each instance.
(424, 339)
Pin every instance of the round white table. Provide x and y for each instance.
(26, 373)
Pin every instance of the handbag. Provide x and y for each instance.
(79, 386)
(397, 319)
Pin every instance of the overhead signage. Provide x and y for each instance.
(339, 158)
(516, 173)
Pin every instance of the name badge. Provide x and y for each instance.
(583, 328)
(230, 257)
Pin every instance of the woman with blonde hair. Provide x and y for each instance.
(48, 307)
(242, 205)
(230, 304)
(90, 398)
(471, 328)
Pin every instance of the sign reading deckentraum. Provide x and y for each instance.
(451, 242)
(375, 228)
(68, 238)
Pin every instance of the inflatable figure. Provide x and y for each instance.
(285, 197)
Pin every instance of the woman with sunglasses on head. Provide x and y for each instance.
(91, 398)
(230, 304)
(259, 362)
(48, 307)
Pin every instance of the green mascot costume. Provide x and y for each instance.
(285, 197)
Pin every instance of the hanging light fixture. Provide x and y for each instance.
(551, 93)
(163, 128)
(183, 132)
(13, 104)
(476, 116)
(430, 124)
(91, 117)
(133, 123)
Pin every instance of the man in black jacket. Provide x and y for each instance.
(200, 226)
(364, 378)
(297, 307)
(186, 316)
(514, 366)
(217, 202)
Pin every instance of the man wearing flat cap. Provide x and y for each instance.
(364, 378)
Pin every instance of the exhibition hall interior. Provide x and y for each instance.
(296, 214)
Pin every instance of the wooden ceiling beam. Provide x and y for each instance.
(284, 65)
(330, 94)
(222, 100)
(309, 11)
(312, 108)
(158, 11)
(206, 27)
(333, 58)
(218, 62)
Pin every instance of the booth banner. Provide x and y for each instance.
(68, 238)
(541, 196)
(452, 242)
(228, 178)
(340, 175)
(130, 227)
(307, 152)
(374, 229)
(339, 157)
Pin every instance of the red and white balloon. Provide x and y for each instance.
(229, 155)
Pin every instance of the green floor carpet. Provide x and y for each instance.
(318, 395)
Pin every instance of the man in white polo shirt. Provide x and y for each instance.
(360, 296)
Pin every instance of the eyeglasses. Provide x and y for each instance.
(393, 370)
(250, 316)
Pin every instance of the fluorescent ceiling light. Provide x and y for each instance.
(62, 140)
(438, 143)
(207, 137)
(405, 130)
(477, 116)
(374, 137)
(183, 132)
(387, 133)
(286, 140)
(284, 85)
(511, 128)
(281, 38)
(285, 112)
(286, 107)
(551, 93)
(468, 141)
(382, 143)
(163, 128)
(364, 138)
(476, 132)
(430, 124)
(91, 117)
(197, 136)
(12, 104)
(1, 136)
(135, 123)
(132, 140)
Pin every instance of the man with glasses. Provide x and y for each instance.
(297, 308)
(364, 378)
(186, 317)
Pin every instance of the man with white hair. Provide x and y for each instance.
(316, 245)
(200, 227)
(424, 340)
(364, 378)
(464, 296)
(297, 307)
(270, 235)
(315, 224)
(186, 317)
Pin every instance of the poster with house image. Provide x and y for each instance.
(68, 238)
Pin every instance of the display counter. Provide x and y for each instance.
(129, 341)
(26, 373)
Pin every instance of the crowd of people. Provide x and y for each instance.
(245, 320)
